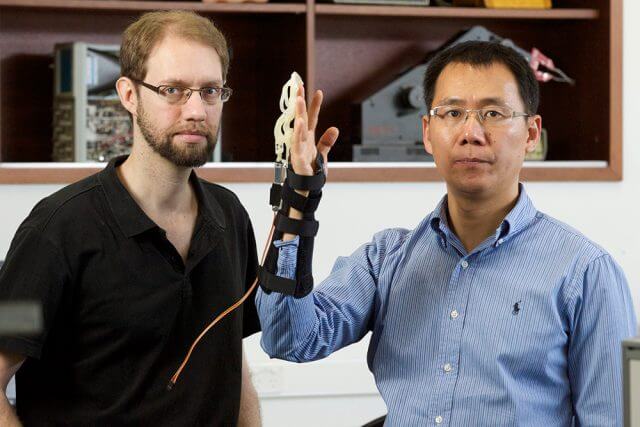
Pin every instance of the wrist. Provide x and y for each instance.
(304, 171)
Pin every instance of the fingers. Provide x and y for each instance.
(300, 126)
(301, 108)
(328, 138)
(310, 116)
(299, 130)
(326, 141)
(314, 109)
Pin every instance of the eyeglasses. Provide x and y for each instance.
(177, 95)
(490, 116)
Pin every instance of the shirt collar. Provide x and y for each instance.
(438, 220)
(520, 216)
(517, 219)
(128, 214)
(208, 206)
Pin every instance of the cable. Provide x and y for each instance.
(283, 133)
(238, 303)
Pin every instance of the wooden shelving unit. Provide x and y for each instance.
(349, 51)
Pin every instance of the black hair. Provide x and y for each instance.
(480, 53)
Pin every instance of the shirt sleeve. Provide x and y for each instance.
(602, 317)
(333, 315)
(250, 321)
(34, 270)
(287, 257)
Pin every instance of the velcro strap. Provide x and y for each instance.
(276, 283)
(308, 183)
(298, 201)
(305, 286)
(301, 227)
(275, 195)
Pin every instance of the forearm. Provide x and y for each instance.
(8, 417)
(249, 403)
(313, 327)
(286, 321)
(333, 315)
(294, 214)
(9, 365)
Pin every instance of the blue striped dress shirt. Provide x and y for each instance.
(524, 330)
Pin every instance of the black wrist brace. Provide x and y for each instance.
(306, 228)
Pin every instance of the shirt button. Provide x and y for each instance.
(438, 419)
(464, 264)
(500, 241)
(454, 314)
(447, 367)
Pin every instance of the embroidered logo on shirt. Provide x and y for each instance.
(516, 308)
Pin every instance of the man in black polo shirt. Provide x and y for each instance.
(132, 263)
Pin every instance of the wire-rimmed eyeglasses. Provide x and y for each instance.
(491, 116)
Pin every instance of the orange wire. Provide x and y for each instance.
(175, 376)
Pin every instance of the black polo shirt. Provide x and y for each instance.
(121, 309)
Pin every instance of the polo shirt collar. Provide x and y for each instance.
(131, 218)
(208, 206)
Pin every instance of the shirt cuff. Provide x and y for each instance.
(287, 257)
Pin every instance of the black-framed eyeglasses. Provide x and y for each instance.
(178, 95)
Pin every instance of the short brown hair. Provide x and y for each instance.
(141, 37)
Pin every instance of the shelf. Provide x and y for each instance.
(348, 58)
(112, 5)
(64, 173)
(455, 12)
(321, 9)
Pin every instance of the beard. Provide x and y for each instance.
(161, 142)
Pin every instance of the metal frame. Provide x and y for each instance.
(630, 351)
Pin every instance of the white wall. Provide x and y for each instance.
(339, 391)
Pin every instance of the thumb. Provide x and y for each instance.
(326, 141)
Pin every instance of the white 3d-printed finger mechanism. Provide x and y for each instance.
(283, 130)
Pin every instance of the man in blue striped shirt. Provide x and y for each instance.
(489, 312)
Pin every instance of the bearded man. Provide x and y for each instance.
(132, 263)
